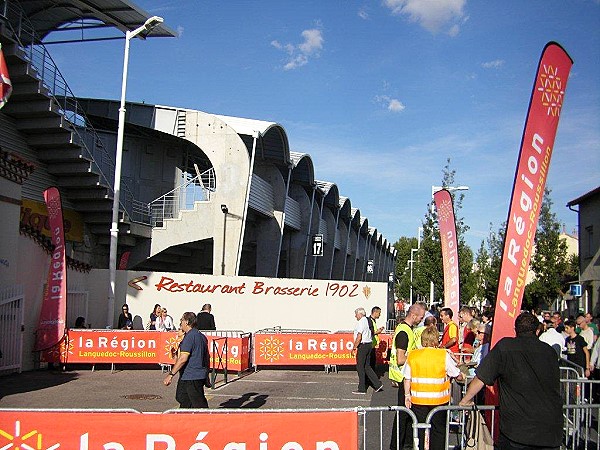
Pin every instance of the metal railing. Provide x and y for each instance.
(103, 162)
(182, 198)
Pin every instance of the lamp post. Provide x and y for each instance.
(142, 30)
(412, 261)
(225, 211)
(434, 189)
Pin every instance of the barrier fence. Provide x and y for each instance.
(231, 429)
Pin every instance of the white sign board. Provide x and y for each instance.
(317, 245)
(246, 303)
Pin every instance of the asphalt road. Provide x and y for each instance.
(142, 389)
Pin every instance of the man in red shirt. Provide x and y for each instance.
(450, 336)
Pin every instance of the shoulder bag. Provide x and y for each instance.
(477, 435)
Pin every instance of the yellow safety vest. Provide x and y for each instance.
(429, 384)
(375, 340)
(418, 332)
(395, 371)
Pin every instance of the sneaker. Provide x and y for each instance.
(359, 392)
(379, 389)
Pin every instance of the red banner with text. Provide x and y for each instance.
(142, 347)
(529, 185)
(449, 244)
(311, 349)
(51, 324)
(326, 430)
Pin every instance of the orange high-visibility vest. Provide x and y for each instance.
(429, 384)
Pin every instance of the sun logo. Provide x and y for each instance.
(171, 346)
(31, 440)
(271, 349)
(367, 292)
(445, 211)
(551, 89)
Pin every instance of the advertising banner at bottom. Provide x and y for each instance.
(322, 430)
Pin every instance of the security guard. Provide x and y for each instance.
(427, 374)
(403, 342)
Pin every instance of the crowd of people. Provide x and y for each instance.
(429, 350)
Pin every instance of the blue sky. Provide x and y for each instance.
(379, 93)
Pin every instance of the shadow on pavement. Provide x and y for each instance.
(18, 383)
(244, 401)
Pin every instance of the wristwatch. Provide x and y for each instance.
(171, 373)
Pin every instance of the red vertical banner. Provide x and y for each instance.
(530, 181)
(449, 243)
(51, 326)
(5, 84)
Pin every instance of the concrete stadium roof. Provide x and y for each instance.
(331, 194)
(273, 145)
(48, 16)
(345, 209)
(304, 169)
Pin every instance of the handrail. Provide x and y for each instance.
(183, 197)
(58, 90)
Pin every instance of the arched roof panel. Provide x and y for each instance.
(303, 171)
(345, 209)
(273, 144)
(331, 195)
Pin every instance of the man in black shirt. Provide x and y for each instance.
(205, 320)
(529, 383)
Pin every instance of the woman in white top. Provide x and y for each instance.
(164, 322)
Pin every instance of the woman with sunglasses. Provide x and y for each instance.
(125, 319)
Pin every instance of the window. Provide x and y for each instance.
(589, 241)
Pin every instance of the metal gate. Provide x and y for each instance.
(11, 328)
(77, 306)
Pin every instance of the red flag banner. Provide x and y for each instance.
(51, 327)
(449, 242)
(5, 84)
(530, 181)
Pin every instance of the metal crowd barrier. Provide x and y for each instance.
(580, 428)
(374, 424)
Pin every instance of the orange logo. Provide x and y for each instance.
(445, 210)
(367, 291)
(271, 349)
(551, 90)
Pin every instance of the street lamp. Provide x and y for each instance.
(141, 31)
(435, 189)
(225, 211)
(411, 261)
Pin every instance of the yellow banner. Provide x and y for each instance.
(35, 215)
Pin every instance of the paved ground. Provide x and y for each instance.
(142, 389)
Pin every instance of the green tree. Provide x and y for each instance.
(487, 267)
(549, 261)
(428, 267)
(403, 248)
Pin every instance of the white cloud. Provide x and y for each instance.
(392, 104)
(299, 54)
(433, 15)
(180, 30)
(496, 64)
